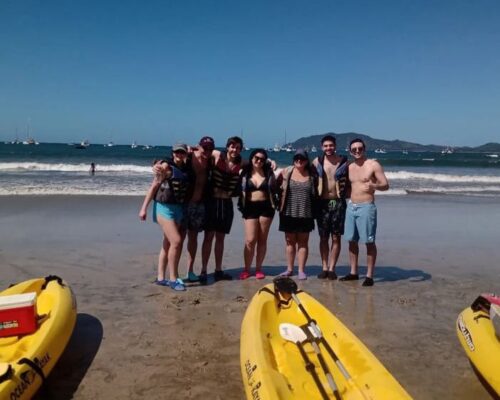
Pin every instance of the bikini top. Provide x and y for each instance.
(264, 186)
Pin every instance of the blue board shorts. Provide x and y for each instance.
(360, 222)
(173, 212)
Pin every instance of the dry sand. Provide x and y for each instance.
(135, 340)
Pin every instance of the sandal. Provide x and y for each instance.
(163, 282)
(350, 277)
(302, 276)
(244, 275)
(286, 273)
(203, 278)
(259, 275)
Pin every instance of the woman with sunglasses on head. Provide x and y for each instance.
(170, 190)
(257, 204)
(299, 190)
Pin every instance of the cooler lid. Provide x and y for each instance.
(17, 300)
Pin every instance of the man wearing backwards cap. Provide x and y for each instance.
(195, 212)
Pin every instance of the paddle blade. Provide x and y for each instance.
(292, 333)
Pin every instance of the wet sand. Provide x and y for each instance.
(136, 340)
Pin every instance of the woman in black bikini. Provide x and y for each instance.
(256, 204)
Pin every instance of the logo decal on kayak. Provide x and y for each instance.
(465, 333)
(255, 386)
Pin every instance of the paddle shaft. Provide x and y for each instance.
(327, 372)
(311, 368)
(318, 334)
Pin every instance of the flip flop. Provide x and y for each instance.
(286, 273)
(302, 276)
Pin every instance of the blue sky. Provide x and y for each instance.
(158, 72)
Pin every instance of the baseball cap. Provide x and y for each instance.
(179, 147)
(207, 142)
(300, 153)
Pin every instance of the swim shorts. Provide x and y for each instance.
(331, 217)
(195, 217)
(361, 222)
(169, 211)
(256, 209)
(219, 215)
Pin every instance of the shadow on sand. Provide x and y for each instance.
(382, 273)
(69, 371)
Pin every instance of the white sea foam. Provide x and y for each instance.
(61, 167)
(449, 178)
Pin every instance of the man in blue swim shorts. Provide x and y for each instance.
(365, 176)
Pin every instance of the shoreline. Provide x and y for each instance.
(134, 339)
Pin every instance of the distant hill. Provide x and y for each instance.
(343, 140)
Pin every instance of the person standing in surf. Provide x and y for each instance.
(365, 177)
(224, 184)
(331, 205)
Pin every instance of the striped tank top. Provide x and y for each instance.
(299, 200)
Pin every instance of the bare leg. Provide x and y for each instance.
(291, 242)
(371, 257)
(219, 250)
(335, 252)
(206, 249)
(192, 247)
(323, 251)
(162, 260)
(172, 233)
(251, 232)
(353, 257)
(263, 233)
(303, 249)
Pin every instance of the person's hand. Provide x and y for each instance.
(273, 164)
(142, 214)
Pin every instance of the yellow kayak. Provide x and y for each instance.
(479, 338)
(292, 347)
(25, 361)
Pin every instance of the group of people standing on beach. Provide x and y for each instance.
(193, 191)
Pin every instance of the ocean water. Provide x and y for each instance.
(121, 170)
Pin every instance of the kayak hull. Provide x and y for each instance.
(56, 309)
(477, 336)
(273, 368)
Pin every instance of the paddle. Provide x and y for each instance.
(298, 337)
(295, 334)
(287, 286)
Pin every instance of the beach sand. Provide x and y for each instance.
(136, 340)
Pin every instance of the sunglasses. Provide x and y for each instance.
(260, 159)
(301, 159)
(357, 149)
(180, 152)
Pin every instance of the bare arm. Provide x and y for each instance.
(381, 182)
(143, 212)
